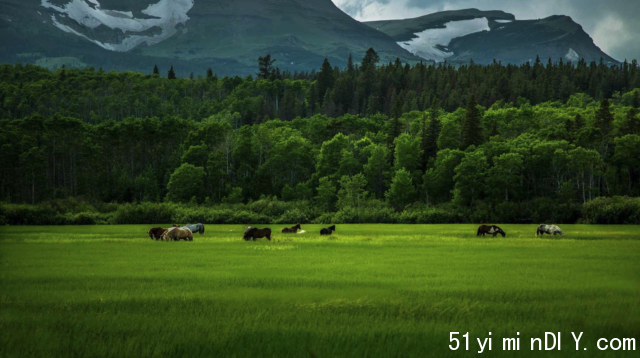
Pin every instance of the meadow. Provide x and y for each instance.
(368, 290)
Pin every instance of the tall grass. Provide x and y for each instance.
(368, 290)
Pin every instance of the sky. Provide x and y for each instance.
(613, 24)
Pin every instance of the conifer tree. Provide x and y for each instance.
(430, 139)
(265, 67)
(209, 72)
(171, 75)
(471, 130)
(325, 79)
(604, 118)
(156, 71)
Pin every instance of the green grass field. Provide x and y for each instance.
(369, 290)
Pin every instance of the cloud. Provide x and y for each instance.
(613, 24)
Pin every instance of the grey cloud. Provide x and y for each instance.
(614, 24)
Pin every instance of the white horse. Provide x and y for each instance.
(549, 229)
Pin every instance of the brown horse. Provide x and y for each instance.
(291, 230)
(255, 233)
(491, 230)
(156, 233)
(177, 234)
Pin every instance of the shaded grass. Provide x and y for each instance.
(369, 290)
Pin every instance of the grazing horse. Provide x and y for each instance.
(328, 230)
(156, 233)
(195, 228)
(177, 234)
(492, 230)
(549, 229)
(255, 233)
(291, 230)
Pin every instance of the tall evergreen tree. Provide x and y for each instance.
(156, 71)
(171, 75)
(433, 132)
(604, 117)
(471, 129)
(265, 67)
(209, 72)
(325, 79)
(370, 60)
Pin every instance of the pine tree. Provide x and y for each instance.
(191, 76)
(209, 73)
(635, 100)
(171, 75)
(604, 118)
(325, 79)
(430, 141)
(156, 71)
(370, 60)
(471, 130)
(265, 67)
(351, 70)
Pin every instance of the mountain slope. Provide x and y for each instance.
(482, 36)
(191, 34)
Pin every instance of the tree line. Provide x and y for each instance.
(216, 141)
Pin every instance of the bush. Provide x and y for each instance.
(144, 213)
(616, 210)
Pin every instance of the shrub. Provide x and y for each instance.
(616, 210)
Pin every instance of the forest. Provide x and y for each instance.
(369, 142)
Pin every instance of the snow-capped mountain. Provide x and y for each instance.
(482, 36)
(192, 35)
(229, 36)
(161, 20)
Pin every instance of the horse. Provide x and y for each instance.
(291, 230)
(328, 230)
(492, 230)
(177, 234)
(195, 228)
(255, 233)
(156, 233)
(549, 229)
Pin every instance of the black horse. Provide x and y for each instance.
(291, 230)
(255, 233)
(491, 230)
(328, 230)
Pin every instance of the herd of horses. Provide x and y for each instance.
(541, 230)
(185, 232)
(253, 233)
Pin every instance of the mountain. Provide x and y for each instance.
(482, 36)
(227, 35)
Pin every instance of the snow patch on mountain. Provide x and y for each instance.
(431, 44)
(572, 56)
(503, 21)
(166, 14)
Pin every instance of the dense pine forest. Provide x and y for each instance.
(371, 142)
